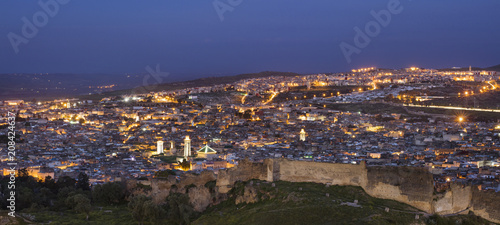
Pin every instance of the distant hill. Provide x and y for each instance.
(494, 68)
(491, 68)
(56, 85)
(208, 81)
(460, 69)
(65, 85)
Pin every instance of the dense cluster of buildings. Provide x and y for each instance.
(211, 128)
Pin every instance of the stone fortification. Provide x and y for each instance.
(486, 204)
(410, 185)
(413, 186)
(336, 174)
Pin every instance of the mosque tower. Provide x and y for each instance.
(159, 147)
(187, 147)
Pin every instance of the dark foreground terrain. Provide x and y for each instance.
(263, 203)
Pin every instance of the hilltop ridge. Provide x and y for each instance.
(207, 81)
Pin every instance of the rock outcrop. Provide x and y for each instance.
(200, 197)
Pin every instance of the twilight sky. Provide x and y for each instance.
(188, 39)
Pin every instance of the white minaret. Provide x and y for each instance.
(302, 135)
(159, 147)
(187, 147)
(172, 147)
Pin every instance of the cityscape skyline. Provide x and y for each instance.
(250, 112)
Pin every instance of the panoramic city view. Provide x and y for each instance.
(250, 112)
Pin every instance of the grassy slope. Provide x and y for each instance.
(289, 205)
(310, 206)
(109, 215)
(5, 219)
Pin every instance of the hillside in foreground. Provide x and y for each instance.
(260, 202)
(311, 203)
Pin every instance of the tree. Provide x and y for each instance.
(65, 181)
(185, 165)
(108, 193)
(135, 205)
(83, 182)
(24, 197)
(23, 173)
(80, 203)
(179, 209)
(164, 173)
(153, 211)
(44, 196)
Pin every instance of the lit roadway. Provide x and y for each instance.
(243, 98)
(455, 108)
(271, 99)
(493, 86)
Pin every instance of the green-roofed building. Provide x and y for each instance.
(207, 150)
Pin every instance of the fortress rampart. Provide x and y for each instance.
(410, 185)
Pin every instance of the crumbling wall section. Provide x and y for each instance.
(317, 172)
(245, 170)
(411, 185)
(457, 199)
(486, 204)
(161, 187)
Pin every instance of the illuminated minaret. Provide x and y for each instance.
(187, 147)
(137, 118)
(159, 147)
(302, 135)
(172, 148)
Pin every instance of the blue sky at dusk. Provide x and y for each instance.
(188, 39)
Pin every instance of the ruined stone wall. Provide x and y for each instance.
(273, 169)
(162, 187)
(200, 197)
(410, 185)
(413, 186)
(245, 170)
(457, 199)
(486, 204)
(201, 179)
(336, 174)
